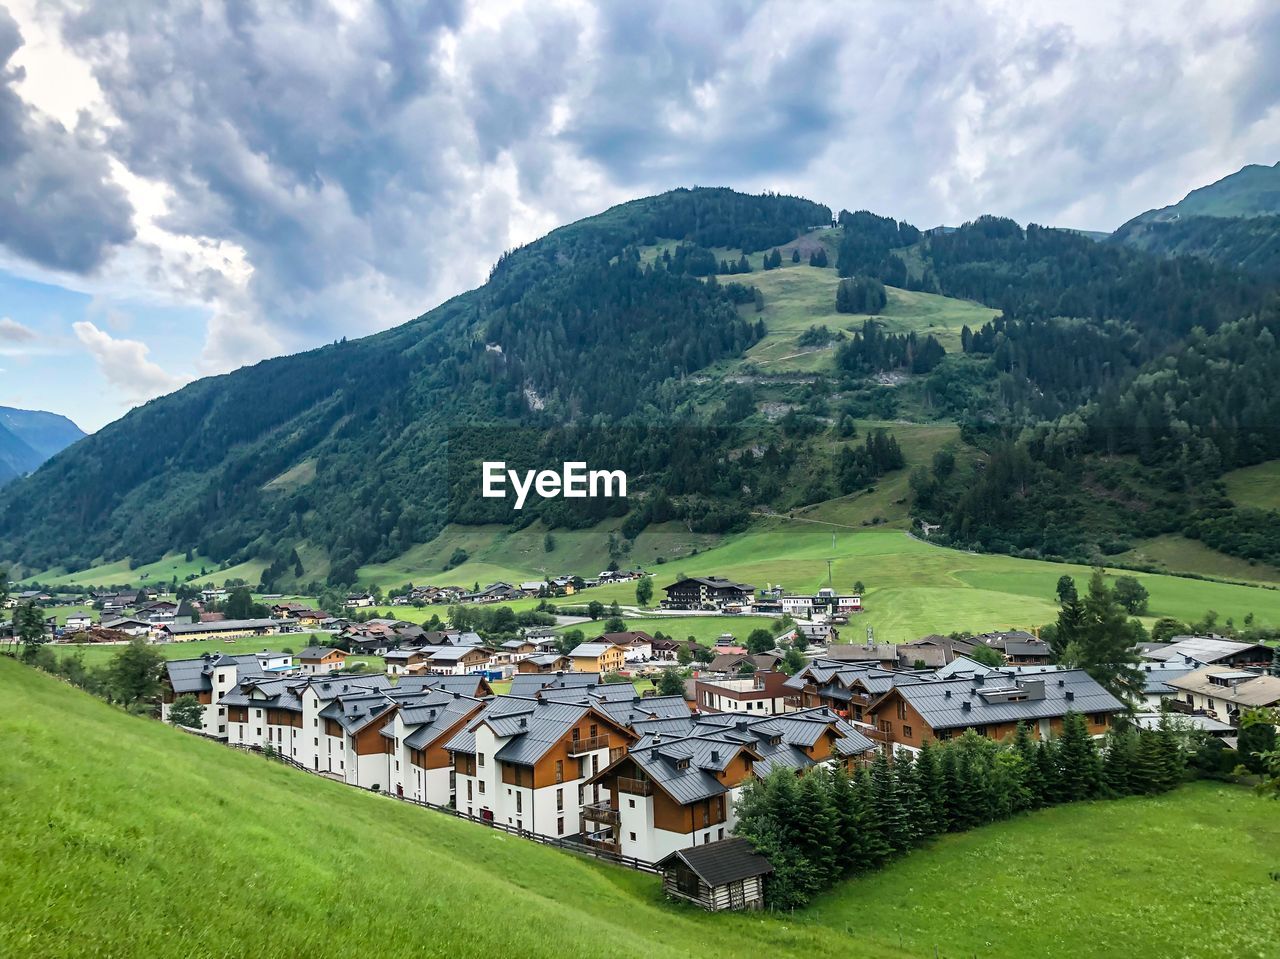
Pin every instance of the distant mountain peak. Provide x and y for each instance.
(29, 437)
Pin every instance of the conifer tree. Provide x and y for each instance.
(813, 825)
(1173, 756)
(795, 255)
(950, 771)
(1047, 766)
(875, 846)
(1079, 770)
(888, 806)
(915, 808)
(850, 828)
(1118, 759)
(1027, 750)
(929, 775)
(1148, 769)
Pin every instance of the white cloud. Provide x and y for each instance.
(304, 172)
(124, 364)
(11, 331)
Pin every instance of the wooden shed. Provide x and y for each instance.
(728, 874)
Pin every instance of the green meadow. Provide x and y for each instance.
(127, 838)
(1255, 485)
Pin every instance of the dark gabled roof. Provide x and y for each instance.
(979, 700)
(527, 684)
(319, 652)
(715, 582)
(722, 862)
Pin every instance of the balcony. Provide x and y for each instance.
(600, 812)
(602, 840)
(635, 787)
(579, 747)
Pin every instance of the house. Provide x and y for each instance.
(884, 655)
(450, 660)
(992, 705)
(358, 601)
(315, 660)
(400, 662)
(1212, 651)
(731, 664)
(636, 646)
(931, 652)
(526, 762)
(127, 624)
(78, 621)
(847, 689)
(223, 629)
(418, 765)
(544, 663)
(818, 634)
(728, 874)
(213, 594)
(494, 593)
(698, 592)
(826, 602)
(677, 786)
(158, 612)
(597, 658)
(1224, 692)
(763, 693)
(300, 613)
(208, 678)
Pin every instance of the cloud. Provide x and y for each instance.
(125, 365)
(309, 171)
(58, 205)
(11, 331)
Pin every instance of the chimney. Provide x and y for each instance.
(1070, 695)
(979, 679)
(947, 694)
(524, 722)
(1061, 683)
(715, 755)
(966, 706)
(653, 754)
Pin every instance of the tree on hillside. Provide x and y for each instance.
(1079, 768)
(615, 624)
(1097, 637)
(28, 628)
(1166, 627)
(595, 609)
(240, 605)
(792, 662)
(795, 255)
(986, 655)
(135, 674)
(186, 711)
(644, 590)
(1132, 595)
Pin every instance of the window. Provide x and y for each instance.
(480, 782)
(560, 801)
(480, 758)
(906, 731)
(902, 709)
(560, 826)
(594, 730)
(980, 730)
(258, 731)
(631, 803)
(468, 789)
(559, 770)
(519, 802)
(721, 833)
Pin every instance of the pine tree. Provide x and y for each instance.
(1118, 760)
(1027, 750)
(1148, 769)
(814, 824)
(1173, 757)
(929, 775)
(876, 848)
(950, 769)
(795, 255)
(849, 829)
(1047, 767)
(889, 809)
(1079, 770)
(916, 811)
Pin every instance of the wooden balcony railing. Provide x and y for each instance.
(578, 747)
(600, 812)
(636, 787)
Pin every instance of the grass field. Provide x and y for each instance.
(1255, 485)
(125, 837)
(120, 573)
(95, 653)
(1177, 554)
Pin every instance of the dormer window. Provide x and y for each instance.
(682, 764)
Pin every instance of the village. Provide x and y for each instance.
(628, 745)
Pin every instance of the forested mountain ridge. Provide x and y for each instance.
(1235, 221)
(209, 466)
(29, 437)
(630, 340)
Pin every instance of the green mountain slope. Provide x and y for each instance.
(29, 437)
(1235, 221)
(125, 837)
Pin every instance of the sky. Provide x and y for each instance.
(188, 187)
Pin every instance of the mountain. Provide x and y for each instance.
(29, 437)
(729, 352)
(1235, 221)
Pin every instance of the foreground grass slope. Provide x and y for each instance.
(125, 837)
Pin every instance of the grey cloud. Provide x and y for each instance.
(58, 206)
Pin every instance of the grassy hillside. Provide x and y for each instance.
(1255, 485)
(128, 838)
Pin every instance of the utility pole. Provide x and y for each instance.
(829, 572)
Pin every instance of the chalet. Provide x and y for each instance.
(315, 660)
(494, 593)
(514, 650)
(526, 763)
(763, 693)
(932, 652)
(884, 655)
(848, 689)
(158, 613)
(128, 625)
(208, 678)
(451, 660)
(300, 613)
(418, 765)
(544, 663)
(730, 664)
(223, 629)
(826, 602)
(1212, 651)
(78, 621)
(728, 874)
(1156, 689)
(707, 592)
(1224, 692)
(400, 662)
(597, 658)
(636, 646)
(677, 786)
(358, 601)
(213, 594)
(992, 705)
(1019, 648)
